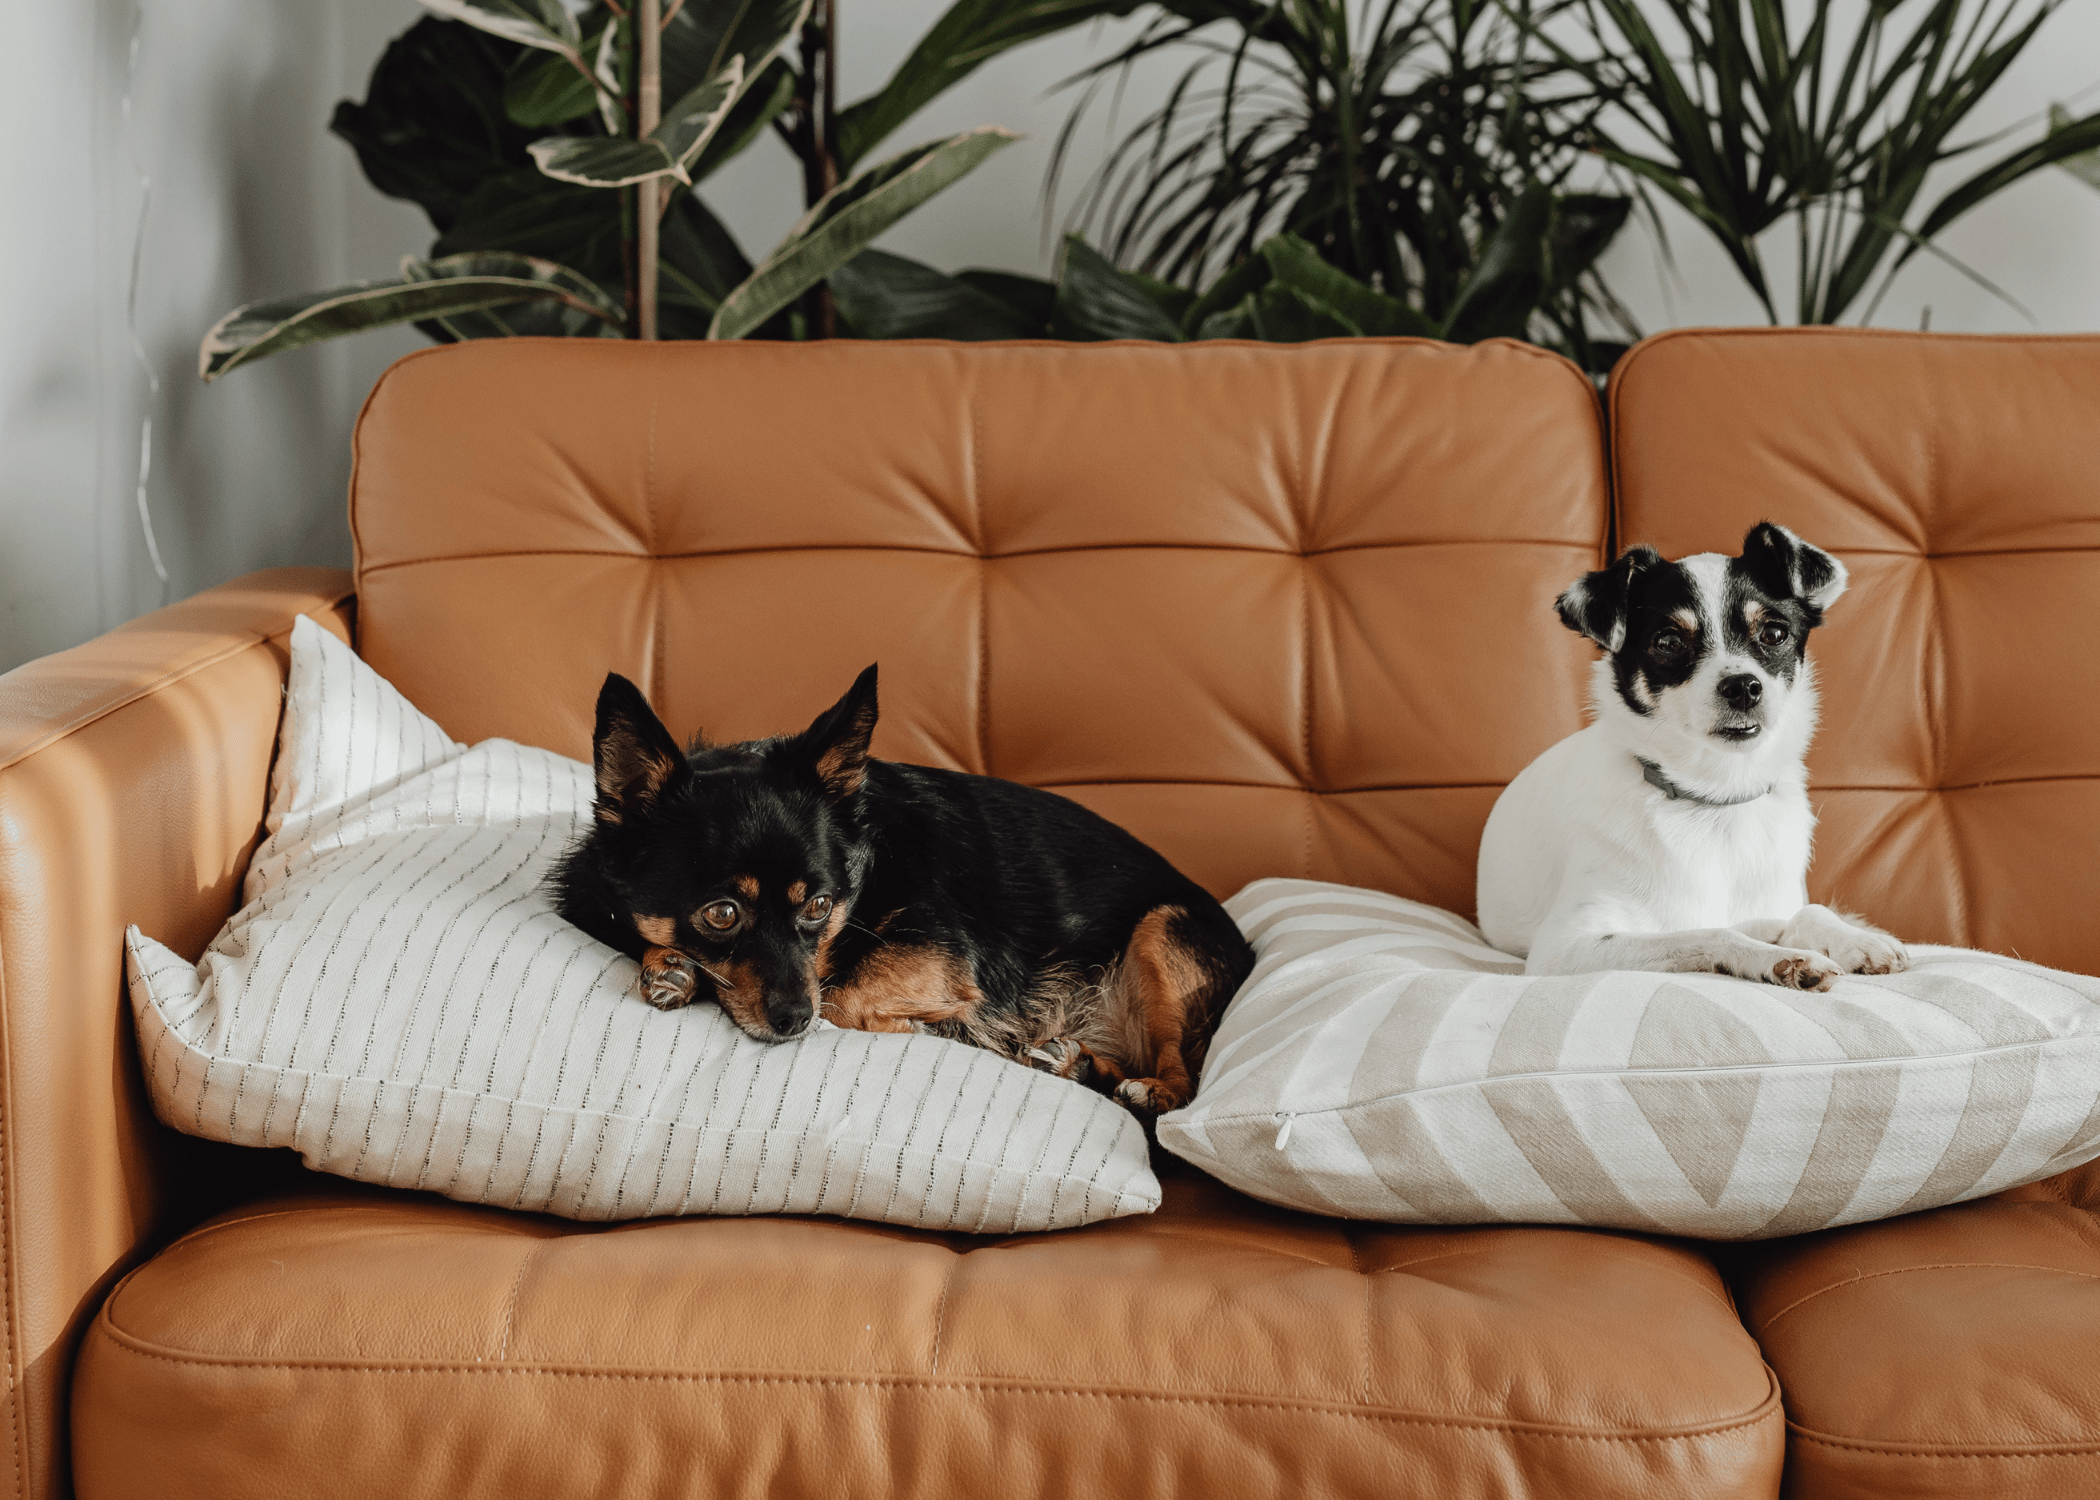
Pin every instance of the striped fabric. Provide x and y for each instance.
(398, 1002)
(1382, 1062)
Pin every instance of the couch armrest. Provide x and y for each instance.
(133, 775)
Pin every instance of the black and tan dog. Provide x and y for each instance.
(794, 877)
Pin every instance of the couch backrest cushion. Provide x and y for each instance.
(1279, 610)
(1957, 772)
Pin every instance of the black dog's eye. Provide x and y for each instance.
(1772, 633)
(721, 916)
(1666, 644)
(816, 909)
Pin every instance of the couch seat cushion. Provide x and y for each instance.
(354, 1340)
(1947, 1354)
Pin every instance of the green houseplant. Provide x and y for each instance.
(557, 153)
(1748, 113)
(1323, 168)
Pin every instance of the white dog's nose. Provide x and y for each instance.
(1741, 692)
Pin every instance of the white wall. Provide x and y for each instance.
(252, 197)
(249, 197)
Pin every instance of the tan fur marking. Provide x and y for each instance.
(656, 930)
(747, 887)
(799, 892)
(1159, 985)
(629, 769)
(1752, 613)
(738, 989)
(895, 986)
(833, 926)
(843, 767)
(1687, 619)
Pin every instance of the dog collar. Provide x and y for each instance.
(1653, 775)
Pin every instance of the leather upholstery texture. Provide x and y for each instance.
(1240, 598)
(1948, 1355)
(358, 1342)
(1957, 777)
(132, 778)
(1957, 771)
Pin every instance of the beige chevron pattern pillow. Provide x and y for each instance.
(1382, 1062)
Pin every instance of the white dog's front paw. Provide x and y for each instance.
(1798, 970)
(1855, 947)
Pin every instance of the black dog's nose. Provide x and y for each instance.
(789, 1014)
(1741, 691)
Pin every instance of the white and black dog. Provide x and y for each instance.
(1672, 834)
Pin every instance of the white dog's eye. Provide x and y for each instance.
(1772, 633)
(1666, 643)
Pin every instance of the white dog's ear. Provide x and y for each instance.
(1786, 567)
(1595, 605)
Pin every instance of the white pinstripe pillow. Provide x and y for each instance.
(398, 1002)
(1382, 1062)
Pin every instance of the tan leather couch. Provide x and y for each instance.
(1280, 610)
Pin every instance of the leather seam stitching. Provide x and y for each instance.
(984, 590)
(1950, 1265)
(940, 1311)
(1764, 1412)
(1472, 786)
(510, 1303)
(1356, 1264)
(965, 554)
(1867, 1445)
(166, 680)
(1305, 725)
(658, 645)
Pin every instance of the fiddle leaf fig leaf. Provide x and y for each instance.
(428, 289)
(700, 38)
(546, 89)
(846, 219)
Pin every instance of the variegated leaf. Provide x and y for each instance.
(606, 69)
(603, 161)
(702, 37)
(435, 289)
(583, 293)
(609, 162)
(691, 123)
(546, 24)
(846, 219)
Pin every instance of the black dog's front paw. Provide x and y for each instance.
(668, 980)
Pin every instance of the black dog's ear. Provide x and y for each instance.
(836, 745)
(1786, 567)
(633, 756)
(1595, 605)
